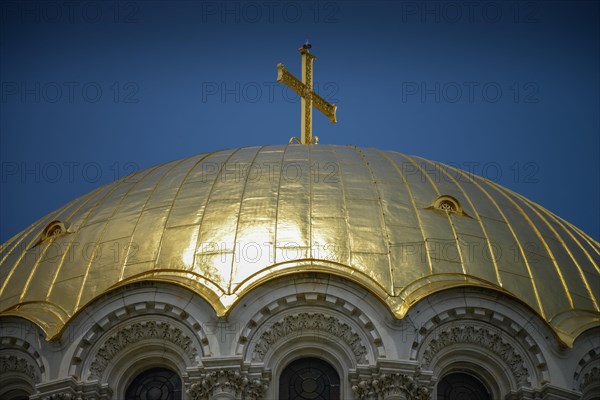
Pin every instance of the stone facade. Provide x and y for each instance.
(242, 356)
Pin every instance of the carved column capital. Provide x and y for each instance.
(223, 384)
(385, 386)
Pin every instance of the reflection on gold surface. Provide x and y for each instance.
(221, 224)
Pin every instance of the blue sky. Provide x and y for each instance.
(92, 91)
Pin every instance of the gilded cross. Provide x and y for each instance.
(308, 96)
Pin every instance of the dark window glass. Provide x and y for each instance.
(155, 384)
(459, 386)
(309, 379)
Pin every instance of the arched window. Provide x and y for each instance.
(309, 378)
(15, 395)
(15, 387)
(155, 384)
(461, 386)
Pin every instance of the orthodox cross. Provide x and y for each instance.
(308, 96)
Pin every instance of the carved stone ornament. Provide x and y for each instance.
(18, 364)
(226, 381)
(593, 376)
(135, 333)
(296, 324)
(482, 337)
(78, 392)
(384, 385)
(60, 396)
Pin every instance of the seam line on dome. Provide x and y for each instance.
(541, 238)
(42, 254)
(34, 227)
(208, 198)
(593, 244)
(99, 240)
(237, 225)
(458, 248)
(477, 216)
(512, 231)
(310, 198)
(414, 204)
(20, 236)
(385, 226)
(37, 226)
(183, 181)
(87, 216)
(126, 258)
(277, 204)
(562, 242)
(39, 259)
(344, 203)
(565, 225)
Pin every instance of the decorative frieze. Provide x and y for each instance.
(303, 322)
(135, 333)
(18, 364)
(593, 376)
(482, 337)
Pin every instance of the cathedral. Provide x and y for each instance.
(300, 271)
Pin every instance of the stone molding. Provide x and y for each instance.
(239, 385)
(71, 389)
(387, 385)
(313, 300)
(12, 363)
(68, 395)
(297, 323)
(587, 368)
(528, 336)
(482, 337)
(12, 346)
(95, 331)
(137, 332)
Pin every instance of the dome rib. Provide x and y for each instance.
(199, 236)
(99, 240)
(414, 207)
(384, 225)
(109, 189)
(449, 219)
(31, 232)
(477, 217)
(540, 307)
(541, 239)
(143, 209)
(184, 180)
(237, 226)
(344, 201)
(567, 228)
(566, 249)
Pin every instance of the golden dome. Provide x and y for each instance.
(222, 223)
